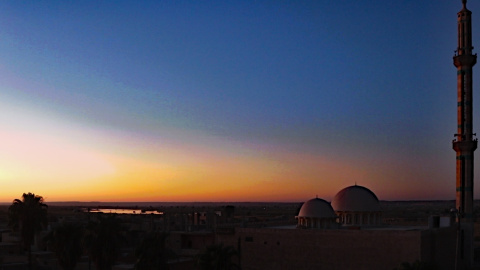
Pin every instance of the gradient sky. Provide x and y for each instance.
(229, 100)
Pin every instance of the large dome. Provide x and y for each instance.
(316, 208)
(356, 199)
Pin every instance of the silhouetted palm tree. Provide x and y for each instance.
(217, 257)
(66, 241)
(151, 253)
(102, 241)
(28, 215)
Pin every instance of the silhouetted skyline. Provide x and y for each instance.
(237, 101)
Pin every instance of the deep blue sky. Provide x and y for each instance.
(365, 84)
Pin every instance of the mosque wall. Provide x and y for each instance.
(336, 249)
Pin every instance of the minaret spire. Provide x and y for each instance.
(464, 143)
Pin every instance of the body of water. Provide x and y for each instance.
(123, 211)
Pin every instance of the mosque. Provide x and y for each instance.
(347, 233)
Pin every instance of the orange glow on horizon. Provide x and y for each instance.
(61, 162)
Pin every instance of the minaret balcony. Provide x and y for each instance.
(465, 60)
(465, 146)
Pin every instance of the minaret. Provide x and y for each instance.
(464, 144)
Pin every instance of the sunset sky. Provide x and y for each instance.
(229, 100)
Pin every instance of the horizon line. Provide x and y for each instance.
(212, 202)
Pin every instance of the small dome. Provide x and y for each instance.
(316, 208)
(356, 199)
